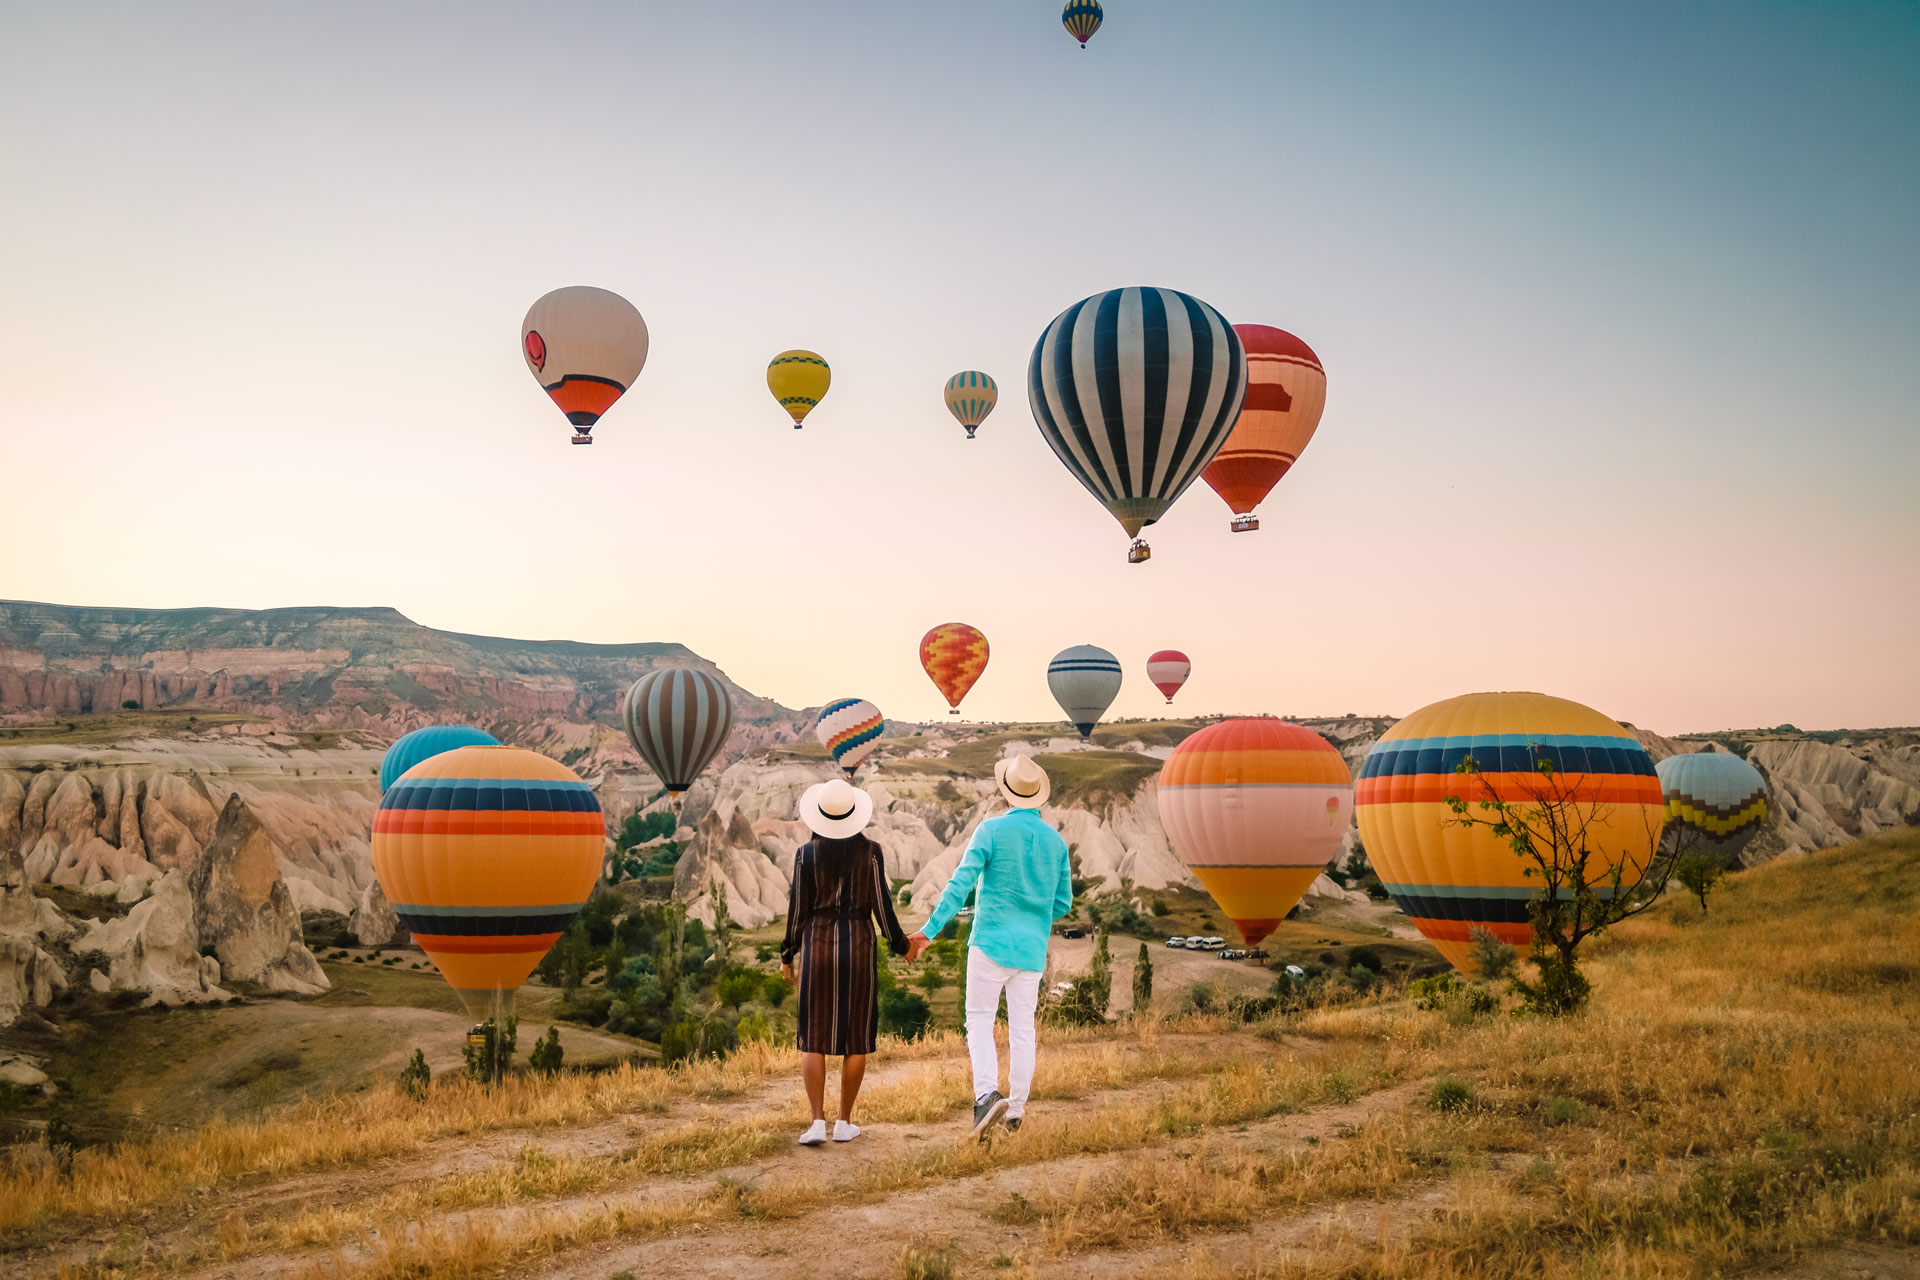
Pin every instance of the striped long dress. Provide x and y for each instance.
(839, 889)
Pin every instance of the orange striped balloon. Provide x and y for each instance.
(487, 854)
(954, 654)
(1256, 809)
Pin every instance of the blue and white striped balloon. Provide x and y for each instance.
(1135, 390)
(1085, 680)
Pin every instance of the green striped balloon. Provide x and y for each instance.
(970, 398)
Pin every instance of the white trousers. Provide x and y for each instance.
(985, 981)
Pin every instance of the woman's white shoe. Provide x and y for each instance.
(843, 1131)
(815, 1135)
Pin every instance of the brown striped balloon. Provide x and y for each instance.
(678, 719)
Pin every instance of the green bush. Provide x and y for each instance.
(1364, 958)
(1450, 1094)
(1160, 907)
(416, 1078)
(547, 1054)
(1560, 1110)
(775, 989)
(904, 1014)
(1202, 997)
(738, 987)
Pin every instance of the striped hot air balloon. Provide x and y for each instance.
(487, 854)
(954, 654)
(1135, 390)
(1167, 670)
(1714, 800)
(585, 346)
(1085, 680)
(849, 728)
(799, 381)
(1256, 809)
(970, 398)
(678, 719)
(1286, 393)
(1450, 878)
(410, 749)
(1081, 18)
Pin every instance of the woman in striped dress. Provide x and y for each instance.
(840, 889)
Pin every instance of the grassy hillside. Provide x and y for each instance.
(1743, 1096)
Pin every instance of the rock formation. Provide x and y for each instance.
(155, 948)
(374, 922)
(30, 974)
(243, 910)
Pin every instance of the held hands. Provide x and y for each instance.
(916, 943)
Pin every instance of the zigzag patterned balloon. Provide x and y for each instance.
(849, 728)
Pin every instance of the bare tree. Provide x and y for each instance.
(1592, 873)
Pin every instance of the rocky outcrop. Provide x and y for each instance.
(30, 974)
(1825, 794)
(374, 922)
(155, 948)
(729, 850)
(244, 911)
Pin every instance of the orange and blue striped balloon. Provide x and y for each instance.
(954, 654)
(1450, 878)
(487, 854)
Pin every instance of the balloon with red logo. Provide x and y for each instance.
(585, 346)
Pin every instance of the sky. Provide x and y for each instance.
(1618, 305)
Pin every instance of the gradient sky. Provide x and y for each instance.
(1619, 306)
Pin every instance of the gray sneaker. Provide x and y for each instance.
(985, 1112)
(1013, 1125)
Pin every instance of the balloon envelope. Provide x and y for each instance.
(1286, 393)
(799, 381)
(970, 397)
(849, 728)
(1716, 798)
(585, 346)
(1167, 670)
(1450, 879)
(410, 749)
(1085, 680)
(954, 654)
(1135, 390)
(677, 719)
(1256, 809)
(487, 854)
(1081, 18)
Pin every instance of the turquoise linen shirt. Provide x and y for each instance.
(1026, 883)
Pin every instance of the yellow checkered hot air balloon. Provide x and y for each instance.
(799, 381)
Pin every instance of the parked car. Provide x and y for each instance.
(1215, 943)
(1258, 954)
(1073, 931)
(1176, 942)
(1234, 953)
(964, 913)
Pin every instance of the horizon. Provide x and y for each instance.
(1615, 308)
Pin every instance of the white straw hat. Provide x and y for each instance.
(1023, 784)
(835, 809)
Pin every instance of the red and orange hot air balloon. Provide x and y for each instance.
(585, 346)
(1256, 809)
(1168, 669)
(1286, 392)
(487, 854)
(954, 654)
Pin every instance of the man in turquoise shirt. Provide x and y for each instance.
(1026, 883)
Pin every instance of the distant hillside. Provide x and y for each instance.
(370, 668)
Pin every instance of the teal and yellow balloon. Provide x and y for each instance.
(970, 398)
(1715, 800)
(1081, 18)
(798, 380)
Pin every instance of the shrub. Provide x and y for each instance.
(1160, 907)
(416, 1078)
(926, 1260)
(738, 987)
(757, 1026)
(1492, 958)
(547, 1054)
(1364, 958)
(1077, 1006)
(775, 989)
(1560, 1110)
(904, 1014)
(1252, 1008)
(1461, 1002)
(131, 704)
(489, 1049)
(1450, 1094)
(1202, 997)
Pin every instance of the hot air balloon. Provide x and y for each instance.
(1286, 392)
(970, 398)
(1085, 680)
(585, 346)
(1135, 390)
(487, 854)
(1450, 878)
(1167, 670)
(798, 380)
(849, 728)
(1081, 18)
(1256, 809)
(677, 719)
(954, 654)
(1715, 801)
(410, 749)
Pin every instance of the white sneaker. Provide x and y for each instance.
(844, 1131)
(815, 1135)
